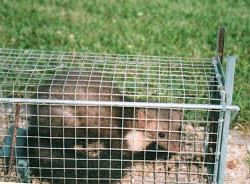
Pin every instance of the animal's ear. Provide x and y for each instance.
(147, 119)
(176, 115)
(141, 118)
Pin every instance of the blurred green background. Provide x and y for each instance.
(152, 27)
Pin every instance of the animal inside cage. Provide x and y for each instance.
(101, 118)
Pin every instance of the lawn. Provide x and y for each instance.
(159, 27)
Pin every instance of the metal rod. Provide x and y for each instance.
(220, 42)
(13, 140)
(218, 95)
(118, 103)
(229, 81)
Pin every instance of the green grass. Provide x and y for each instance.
(159, 27)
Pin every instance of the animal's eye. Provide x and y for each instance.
(161, 135)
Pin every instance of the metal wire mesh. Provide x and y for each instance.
(89, 120)
(147, 78)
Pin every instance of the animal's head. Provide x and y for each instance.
(157, 125)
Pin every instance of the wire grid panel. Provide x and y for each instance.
(145, 78)
(75, 143)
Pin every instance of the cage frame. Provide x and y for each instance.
(225, 81)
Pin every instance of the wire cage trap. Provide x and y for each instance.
(102, 118)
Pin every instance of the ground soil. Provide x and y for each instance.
(237, 168)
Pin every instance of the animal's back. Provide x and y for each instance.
(78, 86)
